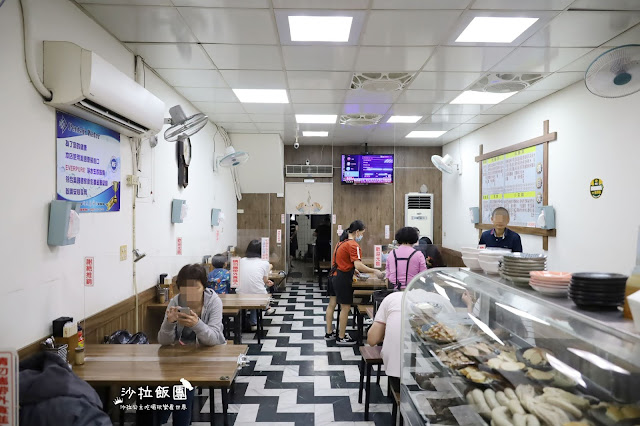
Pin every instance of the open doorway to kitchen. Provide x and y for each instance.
(309, 243)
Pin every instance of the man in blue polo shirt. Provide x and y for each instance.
(500, 236)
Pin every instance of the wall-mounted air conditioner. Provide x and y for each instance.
(85, 85)
(418, 212)
(303, 171)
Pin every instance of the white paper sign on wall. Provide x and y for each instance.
(282, 218)
(9, 387)
(265, 249)
(333, 219)
(235, 272)
(89, 273)
(339, 229)
(377, 256)
(386, 232)
(279, 236)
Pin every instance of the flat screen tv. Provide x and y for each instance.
(364, 169)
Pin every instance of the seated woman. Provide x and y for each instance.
(201, 325)
(254, 277)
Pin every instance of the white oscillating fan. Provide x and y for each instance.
(233, 158)
(182, 126)
(615, 73)
(445, 164)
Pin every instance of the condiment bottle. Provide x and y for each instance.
(80, 337)
(633, 282)
(79, 356)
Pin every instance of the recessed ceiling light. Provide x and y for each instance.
(485, 29)
(316, 118)
(262, 96)
(320, 28)
(315, 134)
(404, 119)
(471, 97)
(427, 134)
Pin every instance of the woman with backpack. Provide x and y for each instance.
(347, 257)
(405, 262)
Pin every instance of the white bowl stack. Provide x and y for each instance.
(490, 259)
(470, 257)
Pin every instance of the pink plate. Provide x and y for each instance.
(550, 276)
(549, 284)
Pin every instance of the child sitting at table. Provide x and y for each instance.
(219, 279)
(202, 324)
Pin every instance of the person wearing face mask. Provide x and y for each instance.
(500, 236)
(347, 257)
(201, 325)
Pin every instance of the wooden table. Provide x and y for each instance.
(248, 301)
(370, 283)
(156, 365)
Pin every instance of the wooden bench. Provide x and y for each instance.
(361, 312)
(396, 403)
(235, 313)
(323, 270)
(371, 355)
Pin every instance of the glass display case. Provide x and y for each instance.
(480, 351)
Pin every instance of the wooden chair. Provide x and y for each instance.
(371, 355)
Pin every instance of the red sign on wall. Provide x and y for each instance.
(179, 246)
(377, 256)
(8, 388)
(235, 272)
(89, 273)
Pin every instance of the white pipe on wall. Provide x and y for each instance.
(29, 59)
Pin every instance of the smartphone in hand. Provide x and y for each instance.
(184, 310)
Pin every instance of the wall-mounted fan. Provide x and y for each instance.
(615, 73)
(445, 164)
(182, 127)
(233, 158)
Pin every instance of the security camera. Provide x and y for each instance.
(296, 145)
(307, 162)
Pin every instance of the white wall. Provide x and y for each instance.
(264, 172)
(41, 283)
(597, 138)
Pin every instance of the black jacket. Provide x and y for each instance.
(50, 394)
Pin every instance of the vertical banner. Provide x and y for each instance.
(282, 218)
(217, 235)
(279, 236)
(265, 249)
(88, 164)
(386, 232)
(377, 256)
(89, 273)
(339, 229)
(8, 387)
(179, 246)
(333, 219)
(235, 272)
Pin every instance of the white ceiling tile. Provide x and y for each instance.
(586, 29)
(324, 4)
(503, 108)
(219, 107)
(521, 4)
(239, 127)
(410, 28)
(428, 96)
(365, 108)
(464, 129)
(466, 58)
(608, 4)
(420, 4)
(540, 59)
(270, 127)
(268, 108)
(355, 134)
(414, 109)
(182, 56)
(444, 80)
(204, 94)
(230, 118)
(317, 108)
(631, 36)
(361, 96)
(528, 96)
(319, 80)
(485, 118)
(448, 118)
(192, 78)
(272, 118)
(558, 81)
(233, 57)
(234, 26)
(129, 2)
(253, 4)
(314, 58)
(437, 126)
(461, 109)
(317, 96)
(581, 64)
(387, 59)
(387, 135)
(252, 79)
(142, 23)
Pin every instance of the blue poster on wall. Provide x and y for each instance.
(88, 165)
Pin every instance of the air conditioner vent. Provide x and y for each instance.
(419, 202)
(360, 120)
(505, 82)
(381, 81)
(304, 171)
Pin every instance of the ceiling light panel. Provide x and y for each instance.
(404, 119)
(262, 96)
(316, 118)
(470, 97)
(315, 134)
(325, 27)
(486, 29)
(426, 134)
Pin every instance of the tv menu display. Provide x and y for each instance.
(367, 169)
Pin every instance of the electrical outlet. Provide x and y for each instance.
(123, 252)
(132, 180)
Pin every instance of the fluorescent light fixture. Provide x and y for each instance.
(309, 133)
(426, 134)
(522, 314)
(486, 29)
(404, 119)
(599, 361)
(471, 97)
(316, 118)
(484, 327)
(441, 291)
(262, 96)
(320, 28)
(568, 371)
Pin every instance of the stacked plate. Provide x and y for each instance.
(470, 257)
(517, 266)
(597, 289)
(490, 258)
(549, 283)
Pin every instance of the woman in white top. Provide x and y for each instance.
(254, 276)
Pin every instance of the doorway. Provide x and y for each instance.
(310, 240)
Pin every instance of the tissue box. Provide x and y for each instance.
(634, 306)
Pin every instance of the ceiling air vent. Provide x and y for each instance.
(294, 170)
(505, 82)
(360, 120)
(381, 81)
